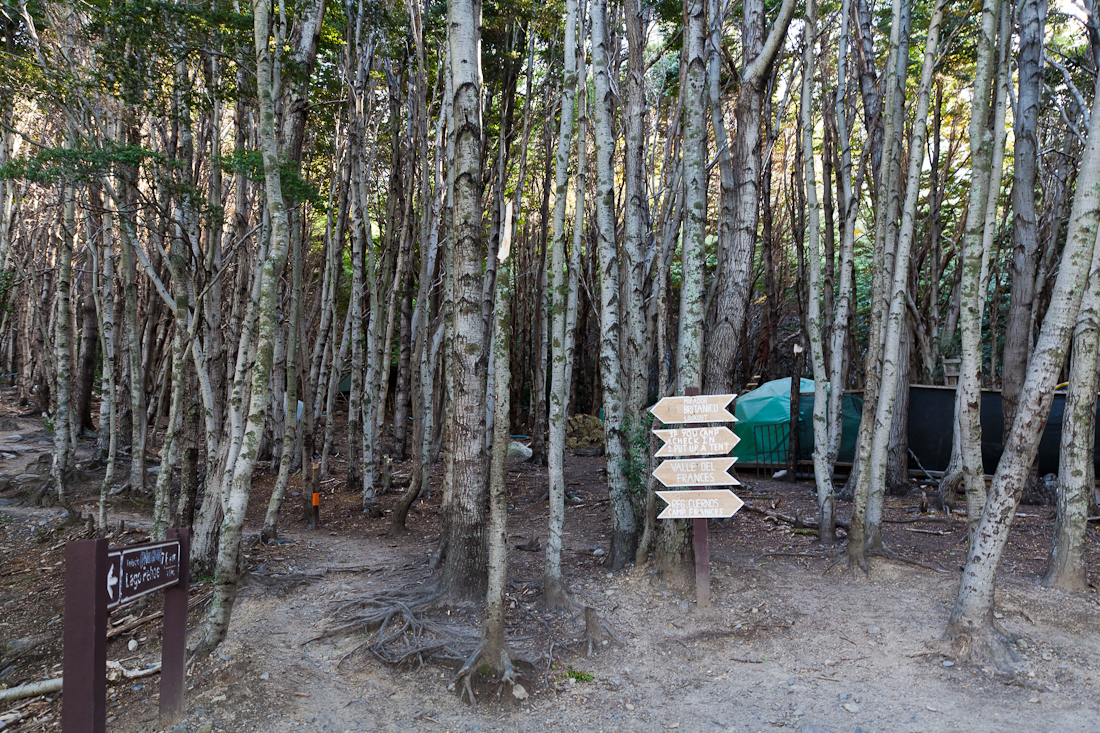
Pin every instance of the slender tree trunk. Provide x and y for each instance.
(464, 571)
(882, 269)
(849, 208)
(62, 443)
(274, 505)
(229, 546)
(971, 627)
(559, 280)
(1018, 329)
(826, 502)
(1076, 471)
(972, 263)
(624, 533)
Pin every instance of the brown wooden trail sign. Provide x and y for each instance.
(133, 572)
(696, 472)
(98, 578)
(694, 409)
(710, 504)
(716, 441)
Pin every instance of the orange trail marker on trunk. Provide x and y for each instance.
(695, 409)
(717, 441)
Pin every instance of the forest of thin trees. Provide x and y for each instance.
(432, 226)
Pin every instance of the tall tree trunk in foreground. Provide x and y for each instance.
(464, 571)
(968, 403)
(822, 473)
(624, 534)
(274, 505)
(1076, 470)
(896, 322)
(674, 554)
(492, 649)
(229, 546)
(971, 628)
(872, 362)
(848, 208)
(558, 282)
(739, 219)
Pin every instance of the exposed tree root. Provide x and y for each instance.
(978, 645)
(597, 632)
(557, 597)
(853, 561)
(397, 635)
(860, 560)
(886, 552)
(499, 661)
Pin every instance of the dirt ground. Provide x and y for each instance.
(784, 645)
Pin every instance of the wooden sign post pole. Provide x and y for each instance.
(84, 689)
(701, 540)
(173, 654)
(98, 578)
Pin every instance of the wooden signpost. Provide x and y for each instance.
(98, 579)
(714, 504)
(717, 441)
(697, 440)
(694, 409)
(696, 472)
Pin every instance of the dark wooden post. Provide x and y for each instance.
(701, 541)
(173, 655)
(315, 513)
(796, 400)
(84, 691)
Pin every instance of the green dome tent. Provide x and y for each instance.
(764, 416)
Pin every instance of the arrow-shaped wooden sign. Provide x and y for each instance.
(697, 472)
(701, 408)
(716, 441)
(712, 504)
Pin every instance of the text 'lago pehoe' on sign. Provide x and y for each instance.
(133, 572)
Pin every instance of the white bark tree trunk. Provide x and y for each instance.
(624, 524)
(227, 569)
(968, 403)
(896, 319)
(826, 510)
(971, 627)
(1076, 470)
(464, 571)
(558, 282)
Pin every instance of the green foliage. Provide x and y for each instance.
(635, 464)
(82, 163)
(576, 674)
(295, 188)
(7, 282)
(138, 43)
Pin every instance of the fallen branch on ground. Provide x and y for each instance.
(33, 689)
(112, 633)
(795, 521)
(129, 674)
(48, 687)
